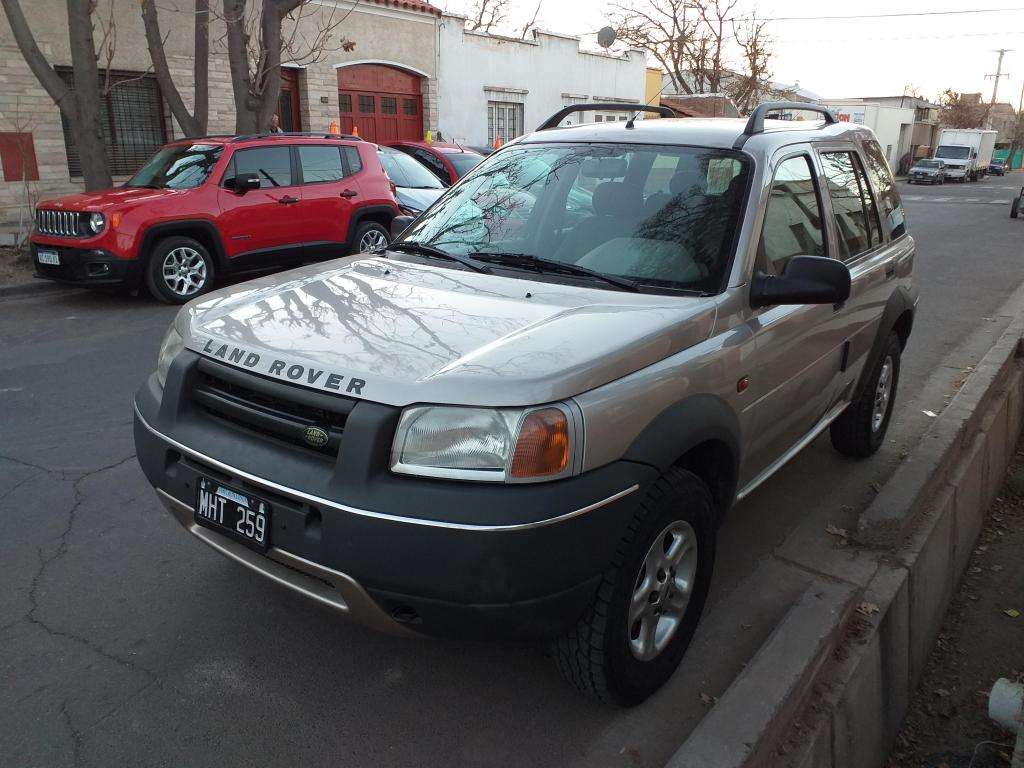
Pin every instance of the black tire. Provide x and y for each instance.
(369, 230)
(857, 432)
(160, 287)
(1015, 208)
(596, 656)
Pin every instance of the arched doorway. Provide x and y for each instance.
(384, 102)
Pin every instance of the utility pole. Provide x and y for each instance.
(999, 73)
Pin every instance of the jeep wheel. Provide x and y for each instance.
(860, 430)
(633, 635)
(371, 237)
(179, 269)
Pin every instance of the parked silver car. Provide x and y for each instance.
(927, 171)
(529, 417)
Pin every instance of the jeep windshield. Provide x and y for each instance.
(178, 167)
(659, 217)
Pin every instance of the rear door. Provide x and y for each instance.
(259, 227)
(328, 199)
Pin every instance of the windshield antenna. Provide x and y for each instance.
(629, 123)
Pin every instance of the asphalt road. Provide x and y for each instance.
(125, 642)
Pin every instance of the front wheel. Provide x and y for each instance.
(371, 237)
(861, 428)
(178, 270)
(645, 611)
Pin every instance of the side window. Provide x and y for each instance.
(320, 164)
(893, 217)
(272, 164)
(431, 162)
(853, 208)
(352, 160)
(793, 220)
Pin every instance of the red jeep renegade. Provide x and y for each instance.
(204, 207)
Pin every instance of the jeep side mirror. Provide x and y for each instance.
(245, 182)
(399, 224)
(805, 280)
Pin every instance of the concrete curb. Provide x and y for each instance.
(33, 287)
(830, 686)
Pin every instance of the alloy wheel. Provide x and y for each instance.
(662, 590)
(372, 241)
(883, 391)
(184, 271)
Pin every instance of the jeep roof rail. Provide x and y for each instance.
(613, 106)
(306, 134)
(755, 123)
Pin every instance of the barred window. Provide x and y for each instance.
(132, 118)
(366, 104)
(409, 106)
(344, 102)
(388, 105)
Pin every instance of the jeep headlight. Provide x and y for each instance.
(173, 343)
(485, 444)
(96, 222)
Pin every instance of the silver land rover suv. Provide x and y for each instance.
(528, 416)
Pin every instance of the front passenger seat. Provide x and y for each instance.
(618, 208)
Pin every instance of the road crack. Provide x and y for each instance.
(76, 736)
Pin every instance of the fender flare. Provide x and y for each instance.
(154, 232)
(361, 213)
(683, 426)
(899, 303)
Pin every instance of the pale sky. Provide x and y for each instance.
(853, 57)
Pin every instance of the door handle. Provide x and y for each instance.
(347, 193)
(286, 200)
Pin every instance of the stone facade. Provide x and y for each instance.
(400, 33)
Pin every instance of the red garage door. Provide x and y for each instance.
(383, 102)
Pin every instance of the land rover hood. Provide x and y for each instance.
(400, 332)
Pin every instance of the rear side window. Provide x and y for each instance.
(793, 220)
(893, 217)
(272, 164)
(320, 164)
(853, 207)
(428, 159)
(352, 160)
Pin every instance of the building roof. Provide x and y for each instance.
(410, 5)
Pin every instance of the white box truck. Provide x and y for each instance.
(966, 152)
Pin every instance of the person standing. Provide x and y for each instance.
(275, 125)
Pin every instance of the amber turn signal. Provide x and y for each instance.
(543, 445)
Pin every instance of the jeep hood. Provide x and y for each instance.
(400, 332)
(108, 199)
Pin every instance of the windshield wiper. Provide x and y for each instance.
(540, 264)
(414, 246)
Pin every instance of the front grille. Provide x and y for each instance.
(278, 411)
(61, 223)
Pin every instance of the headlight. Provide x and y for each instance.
(96, 222)
(486, 444)
(407, 211)
(173, 343)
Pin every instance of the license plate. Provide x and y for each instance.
(48, 257)
(234, 512)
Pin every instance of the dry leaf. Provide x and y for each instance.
(867, 609)
(941, 692)
(833, 530)
(1013, 613)
(706, 700)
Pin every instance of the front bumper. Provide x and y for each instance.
(86, 266)
(398, 554)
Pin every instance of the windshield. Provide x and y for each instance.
(406, 172)
(660, 216)
(464, 162)
(181, 167)
(953, 153)
(928, 164)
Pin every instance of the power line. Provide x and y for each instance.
(898, 14)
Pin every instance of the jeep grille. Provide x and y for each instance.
(61, 223)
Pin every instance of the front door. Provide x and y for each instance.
(258, 226)
(328, 199)
(797, 347)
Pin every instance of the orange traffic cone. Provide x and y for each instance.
(333, 127)
(497, 142)
(355, 130)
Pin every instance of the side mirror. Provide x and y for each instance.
(399, 224)
(806, 280)
(244, 182)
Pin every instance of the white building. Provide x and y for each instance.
(893, 125)
(502, 86)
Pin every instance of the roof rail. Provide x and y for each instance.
(306, 134)
(613, 106)
(755, 123)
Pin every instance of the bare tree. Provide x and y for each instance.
(82, 106)
(664, 29)
(487, 14)
(532, 22)
(256, 39)
(960, 112)
(754, 83)
(192, 123)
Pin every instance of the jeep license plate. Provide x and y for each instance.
(48, 257)
(238, 514)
